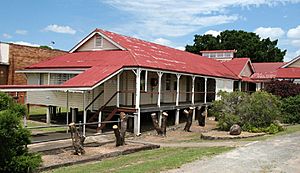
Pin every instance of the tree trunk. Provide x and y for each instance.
(156, 125)
(189, 119)
(164, 123)
(201, 116)
(77, 139)
(123, 129)
(118, 135)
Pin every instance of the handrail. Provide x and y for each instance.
(102, 107)
(94, 100)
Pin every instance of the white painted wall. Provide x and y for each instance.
(90, 45)
(223, 85)
(4, 53)
(57, 98)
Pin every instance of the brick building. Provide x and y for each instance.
(15, 57)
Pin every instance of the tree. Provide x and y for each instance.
(14, 155)
(45, 47)
(247, 44)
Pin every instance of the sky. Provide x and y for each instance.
(169, 22)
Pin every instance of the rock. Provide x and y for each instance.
(235, 130)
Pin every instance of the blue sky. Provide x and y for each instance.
(169, 22)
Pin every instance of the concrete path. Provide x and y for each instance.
(279, 154)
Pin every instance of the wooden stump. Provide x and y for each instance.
(77, 139)
(118, 135)
(121, 133)
(201, 116)
(162, 131)
(155, 124)
(189, 119)
(164, 123)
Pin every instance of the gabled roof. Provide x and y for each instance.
(266, 70)
(137, 53)
(238, 65)
(291, 62)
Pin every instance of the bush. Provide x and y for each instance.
(253, 112)
(228, 104)
(283, 88)
(291, 110)
(14, 155)
(5, 101)
(260, 109)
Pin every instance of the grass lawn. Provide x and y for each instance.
(288, 130)
(146, 161)
(37, 110)
(52, 129)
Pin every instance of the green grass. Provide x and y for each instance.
(146, 161)
(37, 110)
(288, 130)
(52, 129)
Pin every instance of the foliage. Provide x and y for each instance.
(46, 47)
(5, 101)
(283, 88)
(291, 109)
(14, 155)
(252, 112)
(247, 44)
(271, 129)
(226, 109)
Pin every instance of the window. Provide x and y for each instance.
(42, 78)
(98, 41)
(60, 78)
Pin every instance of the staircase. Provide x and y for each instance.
(113, 113)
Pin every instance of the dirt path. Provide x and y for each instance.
(279, 154)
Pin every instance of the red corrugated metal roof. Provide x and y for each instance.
(138, 53)
(288, 73)
(156, 56)
(266, 70)
(236, 65)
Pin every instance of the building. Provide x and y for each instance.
(15, 57)
(108, 72)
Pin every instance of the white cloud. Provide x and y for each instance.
(294, 33)
(180, 48)
(213, 33)
(162, 41)
(60, 29)
(7, 36)
(26, 43)
(21, 32)
(273, 33)
(179, 18)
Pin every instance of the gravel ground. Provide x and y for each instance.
(279, 154)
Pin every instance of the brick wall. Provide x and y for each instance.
(23, 56)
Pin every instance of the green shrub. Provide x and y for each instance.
(228, 105)
(14, 155)
(5, 101)
(260, 109)
(291, 110)
(226, 121)
(254, 113)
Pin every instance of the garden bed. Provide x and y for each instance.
(94, 152)
(223, 135)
